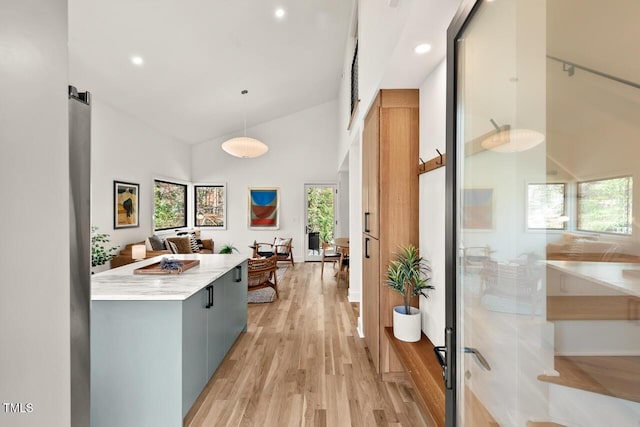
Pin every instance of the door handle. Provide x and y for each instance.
(239, 271)
(479, 357)
(445, 362)
(366, 247)
(366, 222)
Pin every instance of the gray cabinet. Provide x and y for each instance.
(217, 323)
(236, 289)
(194, 347)
(150, 360)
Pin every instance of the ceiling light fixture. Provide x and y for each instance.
(243, 146)
(137, 60)
(507, 140)
(423, 48)
(280, 13)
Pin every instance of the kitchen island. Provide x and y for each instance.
(157, 339)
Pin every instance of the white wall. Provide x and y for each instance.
(34, 308)
(355, 222)
(125, 149)
(433, 100)
(302, 149)
(343, 210)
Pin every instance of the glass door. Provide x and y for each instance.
(543, 303)
(320, 219)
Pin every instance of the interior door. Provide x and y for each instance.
(320, 215)
(540, 230)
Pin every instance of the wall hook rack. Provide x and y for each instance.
(432, 164)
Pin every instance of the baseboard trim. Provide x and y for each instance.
(354, 296)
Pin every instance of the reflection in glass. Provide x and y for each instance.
(548, 289)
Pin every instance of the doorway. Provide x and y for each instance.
(320, 218)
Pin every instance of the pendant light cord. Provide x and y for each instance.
(244, 92)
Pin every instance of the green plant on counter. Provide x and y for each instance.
(228, 249)
(99, 254)
(408, 274)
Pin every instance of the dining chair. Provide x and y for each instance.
(329, 254)
(343, 265)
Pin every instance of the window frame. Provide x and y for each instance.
(565, 207)
(579, 202)
(224, 202)
(186, 203)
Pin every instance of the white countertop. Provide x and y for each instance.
(121, 284)
(609, 274)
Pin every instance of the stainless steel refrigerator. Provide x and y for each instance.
(80, 252)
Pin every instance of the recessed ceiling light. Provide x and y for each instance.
(137, 60)
(423, 48)
(279, 13)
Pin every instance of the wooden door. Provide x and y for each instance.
(371, 298)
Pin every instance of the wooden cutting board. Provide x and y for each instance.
(155, 268)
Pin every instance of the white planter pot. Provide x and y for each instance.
(407, 327)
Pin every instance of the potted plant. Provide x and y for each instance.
(228, 249)
(99, 254)
(408, 275)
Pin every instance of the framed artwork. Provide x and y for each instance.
(264, 208)
(477, 208)
(126, 213)
(210, 206)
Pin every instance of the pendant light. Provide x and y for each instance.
(243, 146)
(511, 140)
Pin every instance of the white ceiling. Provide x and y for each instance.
(427, 22)
(199, 54)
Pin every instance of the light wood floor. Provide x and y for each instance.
(301, 363)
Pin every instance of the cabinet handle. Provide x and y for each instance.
(239, 271)
(366, 222)
(209, 296)
(366, 247)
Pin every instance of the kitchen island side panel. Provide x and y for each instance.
(136, 363)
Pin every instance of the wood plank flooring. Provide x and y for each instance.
(301, 363)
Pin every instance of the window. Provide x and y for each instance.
(606, 205)
(210, 210)
(170, 205)
(354, 80)
(546, 207)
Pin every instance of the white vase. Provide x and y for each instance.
(407, 327)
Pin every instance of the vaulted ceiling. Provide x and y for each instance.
(199, 54)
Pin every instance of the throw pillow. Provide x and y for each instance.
(147, 245)
(194, 243)
(157, 244)
(172, 247)
(182, 243)
(282, 245)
